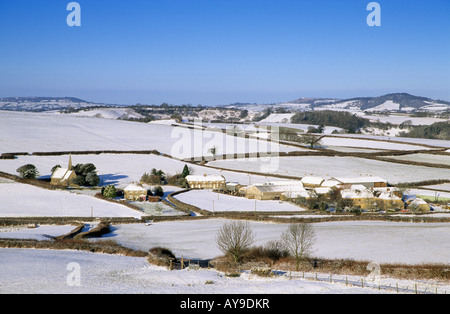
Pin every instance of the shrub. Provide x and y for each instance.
(110, 191)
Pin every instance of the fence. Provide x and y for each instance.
(387, 285)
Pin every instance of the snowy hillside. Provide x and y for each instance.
(42, 103)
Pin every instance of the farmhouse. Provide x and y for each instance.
(206, 182)
(63, 176)
(135, 192)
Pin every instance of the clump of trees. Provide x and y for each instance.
(86, 175)
(28, 171)
(158, 177)
(350, 122)
(236, 238)
(438, 130)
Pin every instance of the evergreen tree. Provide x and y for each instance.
(28, 171)
(185, 172)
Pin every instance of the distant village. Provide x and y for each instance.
(336, 194)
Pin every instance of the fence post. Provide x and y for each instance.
(182, 262)
(362, 282)
(171, 265)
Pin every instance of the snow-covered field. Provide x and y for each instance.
(25, 271)
(406, 140)
(399, 119)
(342, 167)
(216, 202)
(381, 242)
(442, 187)
(427, 158)
(372, 241)
(351, 142)
(43, 132)
(23, 200)
(108, 113)
(40, 233)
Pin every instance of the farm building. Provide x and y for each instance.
(275, 190)
(135, 192)
(233, 187)
(206, 182)
(63, 176)
(372, 199)
(312, 182)
(368, 181)
(419, 205)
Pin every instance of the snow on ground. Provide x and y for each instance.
(341, 167)
(388, 105)
(108, 113)
(381, 242)
(351, 142)
(43, 132)
(399, 119)
(40, 233)
(122, 169)
(442, 187)
(216, 202)
(49, 272)
(301, 127)
(429, 194)
(427, 158)
(278, 118)
(23, 200)
(406, 140)
(372, 241)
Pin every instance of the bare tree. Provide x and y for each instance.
(299, 240)
(235, 238)
(311, 140)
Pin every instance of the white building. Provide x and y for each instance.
(206, 182)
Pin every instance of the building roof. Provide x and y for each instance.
(135, 187)
(357, 191)
(330, 183)
(285, 183)
(61, 173)
(322, 190)
(205, 178)
(388, 195)
(312, 180)
(279, 188)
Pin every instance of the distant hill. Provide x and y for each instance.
(37, 104)
(389, 102)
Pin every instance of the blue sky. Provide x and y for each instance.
(223, 51)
